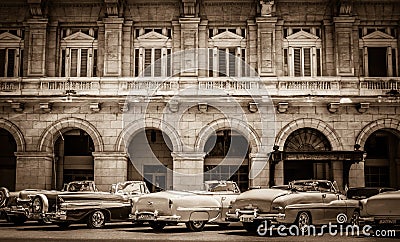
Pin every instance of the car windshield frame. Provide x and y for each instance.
(130, 188)
(80, 186)
(312, 185)
(221, 186)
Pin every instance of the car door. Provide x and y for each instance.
(333, 206)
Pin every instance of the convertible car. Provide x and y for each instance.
(381, 209)
(306, 202)
(17, 207)
(194, 208)
(95, 209)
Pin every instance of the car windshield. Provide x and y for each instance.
(221, 187)
(80, 187)
(129, 188)
(322, 186)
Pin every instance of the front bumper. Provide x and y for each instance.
(58, 216)
(248, 216)
(153, 216)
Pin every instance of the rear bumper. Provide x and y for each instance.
(152, 217)
(251, 216)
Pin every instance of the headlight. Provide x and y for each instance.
(278, 208)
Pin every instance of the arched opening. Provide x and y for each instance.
(306, 140)
(73, 158)
(7, 160)
(227, 158)
(382, 164)
(151, 160)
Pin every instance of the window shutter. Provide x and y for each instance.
(297, 62)
(63, 62)
(136, 64)
(11, 62)
(84, 62)
(157, 62)
(2, 62)
(169, 64)
(232, 61)
(74, 62)
(210, 62)
(94, 73)
(222, 62)
(147, 62)
(307, 62)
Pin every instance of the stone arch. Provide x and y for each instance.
(388, 123)
(317, 124)
(15, 132)
(243, 128)
(133, 128)
(53, 132)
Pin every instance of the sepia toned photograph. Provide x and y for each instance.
(200, 120)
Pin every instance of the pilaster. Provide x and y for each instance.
(266, 45)
(109, 168)
(344, 45)
(113, 46)
(188, 170)
(259, 169)
(36, 42)
(34, 170)
(189, 44)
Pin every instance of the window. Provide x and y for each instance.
(302, 52)
(378, 53)
(152, 52)
(78, 52)
(11, 53)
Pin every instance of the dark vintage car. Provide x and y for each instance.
(17, 207)
(381, 210)
(307, 202)
(194, 208)
(94, 209)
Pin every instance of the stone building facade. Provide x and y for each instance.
(176, 92)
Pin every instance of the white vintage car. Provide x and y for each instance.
(194, 208)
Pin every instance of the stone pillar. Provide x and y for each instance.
(266, 45)
(252, 44)
(127, 51)
(337, 173)
(188, 170)
(259, 169)
(356, 175)
(34, 170)
(203, 45)
(113, 46)
(189, 44)
(109, 168)
(36, 43)
(329, 56)
(52, 55)
(344, 45)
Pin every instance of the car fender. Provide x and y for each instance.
(199, 216)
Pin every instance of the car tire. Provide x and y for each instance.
(4, 196)
(195, 226)
(157, 226)
(251, 227)
(17, 220)
(96, 220)
(63, 225)
(303, 221)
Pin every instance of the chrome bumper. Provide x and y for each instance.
(153, 216)
(252, 215)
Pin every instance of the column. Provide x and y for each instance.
(357, 175)
(188, 170)
(259, 169)
(344, 45)
(52, 55)
(113, 46)
(36, 42)
(34, 170)
(109, 168)
(266, 45)
(127, 53)
(189, 44)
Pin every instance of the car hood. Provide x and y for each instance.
(383, 204)
(260, 199)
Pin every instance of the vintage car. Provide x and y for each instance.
(94, 209)
(17, 207)
(195, 208)
(381, 210)
(306, 202)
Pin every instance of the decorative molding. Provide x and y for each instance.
(46, 107)
(112, 7)
(333, 107)
(282, 107)
(173, 106)
(18, 107)
(95, 107)
(35, 8)
(123, 106)
(203, 107)
(362, 107)
(267, 7)
(253, 107)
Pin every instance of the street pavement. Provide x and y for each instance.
(33, 231)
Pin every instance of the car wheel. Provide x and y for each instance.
(39, 204)
(303, 221)
(17, 220)
(63, 225)
(96, 220)
(251, 227)
(4, 196)
(195, 226)
(355, 218)
(157, 226)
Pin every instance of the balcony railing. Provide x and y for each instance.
(284, 86)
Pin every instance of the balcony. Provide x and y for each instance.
(275, 86)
